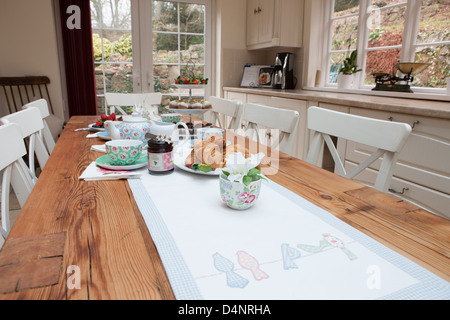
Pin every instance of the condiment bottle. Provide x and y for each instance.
(160, 157)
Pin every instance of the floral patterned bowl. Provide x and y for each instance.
(237, 195)
(124, 152)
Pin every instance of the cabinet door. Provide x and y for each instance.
(252, 21)
(266, 19)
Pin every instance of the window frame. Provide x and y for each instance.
(142, 32)
(208, 46)
(408, 46)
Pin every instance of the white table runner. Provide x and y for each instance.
(283, 247)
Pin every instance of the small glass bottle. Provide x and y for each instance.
(160, 157)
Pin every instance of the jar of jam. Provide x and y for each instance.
(160, 157)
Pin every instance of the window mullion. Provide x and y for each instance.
(410, 31)
(363, 38)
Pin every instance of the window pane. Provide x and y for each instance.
(192, 48)
(165, 16)
(165, 48)
(345, 7)
(435, 75)
(164, 76)
(336, 63)
(381, 61)
(345, 34)
(111, 14)
(434, 22)
(192, 18)
(386, 26)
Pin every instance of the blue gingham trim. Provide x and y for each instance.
(184, 286)
(431, 287)
(182, 282)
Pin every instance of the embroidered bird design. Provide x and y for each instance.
(289, 254)
(234, 280)
(250, 263)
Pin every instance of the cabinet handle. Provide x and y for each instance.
(397, 192)
(259, 9)
(412, 126)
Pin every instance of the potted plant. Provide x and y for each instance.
(346, 73)
(240, 181)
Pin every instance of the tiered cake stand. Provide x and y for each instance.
(189, 111)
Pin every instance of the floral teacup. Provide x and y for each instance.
(237, 195)
(124, 152)
(171, 117)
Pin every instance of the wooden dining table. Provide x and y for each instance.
(102, 249)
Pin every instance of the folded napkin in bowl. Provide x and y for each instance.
(95, 173)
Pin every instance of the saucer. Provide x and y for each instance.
(106, 163)
(104, 135)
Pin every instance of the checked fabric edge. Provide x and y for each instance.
(181, 279)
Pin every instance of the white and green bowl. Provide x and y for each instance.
(237, 195)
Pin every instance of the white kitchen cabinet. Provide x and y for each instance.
(422, 172)
(274, 23)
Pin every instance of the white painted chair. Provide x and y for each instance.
(229, 109)
(386, 136)
(11, 168)
(285, 122)
(119, 100)
(31, 124)
(46, 134)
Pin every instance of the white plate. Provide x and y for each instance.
(179, 158)
(106, 163)
(188, 111)
(93, 128)
(190, 86)
(183, 167)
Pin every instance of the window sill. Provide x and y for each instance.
(404, 95)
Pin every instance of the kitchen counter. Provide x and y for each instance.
(428, 108)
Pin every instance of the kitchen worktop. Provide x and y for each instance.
(429, 108)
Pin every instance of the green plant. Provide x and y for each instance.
(350, 66)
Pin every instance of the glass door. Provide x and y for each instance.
(144, 46)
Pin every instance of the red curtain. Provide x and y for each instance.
(78, 56)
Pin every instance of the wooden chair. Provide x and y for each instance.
(386, 136)
(119, 100)
(31, 124)
(47, 136)
(285, 122)
(230, 109)
(11, 168)
(21, 90)
(15, 92)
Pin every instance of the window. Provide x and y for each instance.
(143, 46)
(179, 42)
(386, 32)
(113, 52)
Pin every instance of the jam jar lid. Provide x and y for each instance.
(159, 144)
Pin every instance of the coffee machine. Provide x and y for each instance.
(283, 73)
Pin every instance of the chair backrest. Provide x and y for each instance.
(386, 136)
(31, 124)
(285, 122)
(229, 108)
(17, 91)
(12, 173)
(119, 100)
(47, 136)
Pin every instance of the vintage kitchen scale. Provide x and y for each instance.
(388, 82)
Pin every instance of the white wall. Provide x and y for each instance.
(29, 46)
